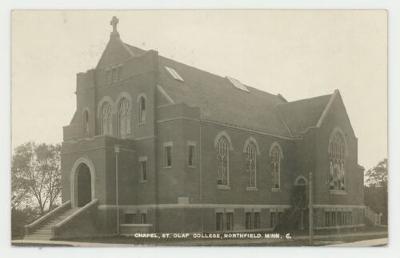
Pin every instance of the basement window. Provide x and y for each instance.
(237, 84)
(248, 220)
(130, 218)
(174, 73)
(257, 220)
(143, 218)
(229, 220)
(219, 221)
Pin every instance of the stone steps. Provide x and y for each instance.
(38, 237)
(44, 232)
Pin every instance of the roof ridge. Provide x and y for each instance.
(204, 71)
(219, 76)
(306, 99)
(292, 113)
(327, 107)
(282, 119)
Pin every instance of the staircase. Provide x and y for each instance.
(373, 218)
(291, 218)
(44, 232)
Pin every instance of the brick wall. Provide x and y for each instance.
(180, 125)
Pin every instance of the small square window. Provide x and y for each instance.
(130, 218)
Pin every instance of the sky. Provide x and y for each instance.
(299, 54)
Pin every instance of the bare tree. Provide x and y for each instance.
(36, 176)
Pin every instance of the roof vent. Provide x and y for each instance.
(174, 74)
(237, 84)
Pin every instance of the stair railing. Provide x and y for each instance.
(371, 215)
(290, 217)
(48, 216)
(59, 227)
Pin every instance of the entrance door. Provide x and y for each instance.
(301, 205)
(84, 185)
(299, 201)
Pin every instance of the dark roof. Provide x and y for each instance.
(302, 114)
(220, 101)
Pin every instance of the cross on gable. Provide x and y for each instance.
(114, 21)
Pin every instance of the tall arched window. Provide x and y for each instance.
(223, 161)
(337, 152)
(251, 153)
(124, 127)
(86, 122)
(142, 109)
(106, 119)
(276, 158)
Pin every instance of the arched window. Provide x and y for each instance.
(300, 181)
(337, 152)
(106, 119)
(124, 127)
(223, 161)
(142, 109)
(276, 158)
(86, 122)
(251, 153)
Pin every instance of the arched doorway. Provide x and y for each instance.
(84, 185)
(83, 177)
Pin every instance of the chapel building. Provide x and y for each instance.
(172, 148)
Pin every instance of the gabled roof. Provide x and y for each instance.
(220, 101)
(303, 114)
(117, 51)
